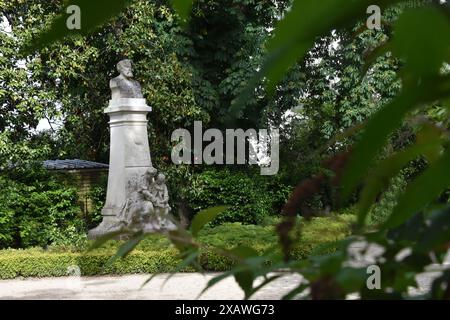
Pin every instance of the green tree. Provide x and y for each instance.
(417, 221)
(186, 74)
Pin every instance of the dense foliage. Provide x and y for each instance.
(249, 196)
(371, 115)
(38, 213)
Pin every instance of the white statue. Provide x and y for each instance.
(129, 202)
(124, 86)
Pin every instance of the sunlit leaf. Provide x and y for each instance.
(205, 216)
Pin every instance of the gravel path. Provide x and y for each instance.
(180, 286)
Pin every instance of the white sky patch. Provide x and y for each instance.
(43, 125)
(5, 26)
(22, 64)
(52, 125)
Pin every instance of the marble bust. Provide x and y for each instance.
(124, 86)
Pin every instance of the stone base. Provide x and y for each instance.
(111, 224)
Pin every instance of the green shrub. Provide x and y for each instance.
(250, 196)
(38, 212)
(98, 196)
(156, 254)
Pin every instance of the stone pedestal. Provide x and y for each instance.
(129, 157)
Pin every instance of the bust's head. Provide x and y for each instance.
(125, 68)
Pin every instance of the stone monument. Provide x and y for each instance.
(137, 196)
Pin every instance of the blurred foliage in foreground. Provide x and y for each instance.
(420, 39)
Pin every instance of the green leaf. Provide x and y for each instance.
(430, 134)
(244, 252)
(438, 231)
(383, 123)
(418, 40)
(351, 279)
(191, 258)
(266, 281)
(221, 277)
(295, 34)
(377, 52)
(94, 13)
(204, 217)
(181, 239)
(425, 189)
(440, 286)
(183, 8)
(105, 238)
(245, 281)
(127, 247)
(386, 169)
(296, 291)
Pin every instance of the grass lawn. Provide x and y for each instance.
(156, 254)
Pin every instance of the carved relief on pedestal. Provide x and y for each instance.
(147, 207)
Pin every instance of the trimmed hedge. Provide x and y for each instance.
(155, 254)
(35, 263)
